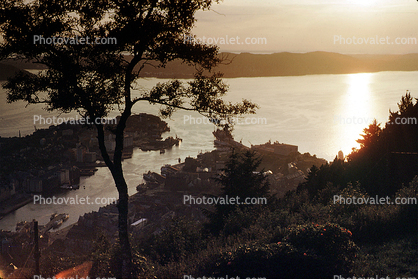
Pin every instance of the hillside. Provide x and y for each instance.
(276, 64)
(293, 64)
(7, 71)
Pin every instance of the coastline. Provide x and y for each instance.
(244, 64)
(14, 204)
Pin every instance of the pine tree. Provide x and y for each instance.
(240, 180)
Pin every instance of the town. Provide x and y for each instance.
(53, 159)
(157, 201)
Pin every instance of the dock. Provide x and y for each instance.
(55, 221)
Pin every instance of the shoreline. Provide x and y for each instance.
(281, 75)
(9, 208)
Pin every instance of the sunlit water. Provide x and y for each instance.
(322, 114)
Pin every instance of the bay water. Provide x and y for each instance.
(321, 114)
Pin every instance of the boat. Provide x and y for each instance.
(57, 223)
(87, 171)
(70, 187)
(20, 225)
(56, 220)
(64, 186)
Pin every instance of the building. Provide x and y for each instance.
(284, 149)
(5, 246)
(67, 132)
(35, 185)
(90, 157)
(128, 141)
(7, 192)
(64, 176)
(168, 169)
(110, 145)
(79, 154)
(276, 147)
(220, 165)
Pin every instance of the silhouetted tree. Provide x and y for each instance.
(371, 135)
(93, 79)
(319, 178)
(388, 156)
(401, 141)
(239, 179)
(386, 159)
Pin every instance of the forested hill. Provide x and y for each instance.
(7, 71)
(293, 64)
(279, 64)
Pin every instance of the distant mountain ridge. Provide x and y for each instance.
(7, 71)
(280, 64)
(293, 64)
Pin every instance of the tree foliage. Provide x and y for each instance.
(240, 179)
(95, 78)
(386, 160)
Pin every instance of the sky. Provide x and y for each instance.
(342, 26)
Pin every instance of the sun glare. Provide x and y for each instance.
(358, 85)
(356, 110)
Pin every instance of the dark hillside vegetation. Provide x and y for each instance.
(305, 234)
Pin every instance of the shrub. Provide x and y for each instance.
(408, 213)
(175, 242)
(255, 260)
(308, 251)
(313, 212)
(330, 243)
(349, 192)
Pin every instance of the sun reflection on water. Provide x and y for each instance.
(356, 111)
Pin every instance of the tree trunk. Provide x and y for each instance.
(126, 268)
(126, 255)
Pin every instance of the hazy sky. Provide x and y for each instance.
(343, 26)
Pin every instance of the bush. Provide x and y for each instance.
(313, 212)
(408, 213)
(373, 223)
(330, 243)
(308, 251)
(255, 260)
(107, 261)
(396, 258)
(349, 192)
(175, 242)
